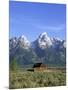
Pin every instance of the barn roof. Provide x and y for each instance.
(38, 65)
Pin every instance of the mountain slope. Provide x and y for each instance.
(51, 51)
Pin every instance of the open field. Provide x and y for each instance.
(30, 79)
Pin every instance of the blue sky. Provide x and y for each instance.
(32, 19)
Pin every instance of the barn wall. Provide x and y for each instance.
(39, 68)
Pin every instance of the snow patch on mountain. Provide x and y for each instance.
(44, 41)
(22, 42)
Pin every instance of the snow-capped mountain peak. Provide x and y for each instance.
(44, 41)
(23, 38)
(22, 42)
(43, 34)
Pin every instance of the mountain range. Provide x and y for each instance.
(50, 51)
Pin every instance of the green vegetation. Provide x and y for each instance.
(13, 65)
(49, 56)
(21, 78)
(28, 79)
(22, 59)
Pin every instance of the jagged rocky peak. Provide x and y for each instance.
(23, 42)
(64, 43)
(14, 39)
(56, 42)
(23, 39)
(13, 42)
(56, 39)
(44, 41)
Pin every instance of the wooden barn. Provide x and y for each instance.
(39, 67)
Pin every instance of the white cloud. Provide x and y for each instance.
(52, 28)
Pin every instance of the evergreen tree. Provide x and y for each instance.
(13, 65)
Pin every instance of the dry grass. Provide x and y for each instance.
(29, 79)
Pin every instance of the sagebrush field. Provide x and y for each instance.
(29, 79)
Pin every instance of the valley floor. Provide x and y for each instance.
(30, 79)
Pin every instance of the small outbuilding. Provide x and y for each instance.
(39, 67)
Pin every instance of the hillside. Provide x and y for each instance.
(50, 51)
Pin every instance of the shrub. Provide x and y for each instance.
(27, 79)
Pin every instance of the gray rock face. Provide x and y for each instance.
(46, 49)
(44, 41)
(19, 42)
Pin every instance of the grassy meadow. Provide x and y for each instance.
(30, 79)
